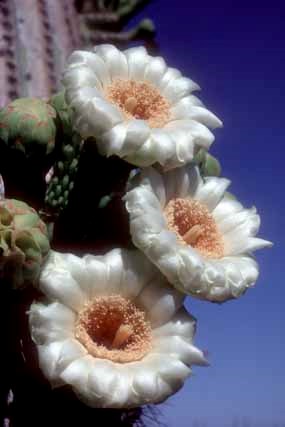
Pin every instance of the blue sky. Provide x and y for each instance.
(235, 51)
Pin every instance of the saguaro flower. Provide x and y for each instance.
(200, 238)
(113, 329)
(136, 106)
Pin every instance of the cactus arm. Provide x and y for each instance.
(8, 75)
(144, 30)
(128, 8)
(35, 39)
(32, 51)
(63, 38)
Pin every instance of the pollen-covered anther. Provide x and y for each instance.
(139, 100)
(194, 225)
(112, 327)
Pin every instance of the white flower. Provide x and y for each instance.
(198, 236)
(137, 107)
(113, 329)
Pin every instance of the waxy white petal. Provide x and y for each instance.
(114, 59)
(179, 88)
(61, 286)
(214, 279)
(86, 81)
(56, 356)
(155, 70)
(181, 324)
(138, 59)
(160, 301)
(97, 65)
(54, 322)
(98, 381)
(212, 191)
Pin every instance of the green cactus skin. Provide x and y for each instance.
(24, 244)
(28, 124)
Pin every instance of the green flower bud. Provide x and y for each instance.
(24, 243)
(211, 166)
(28, 124)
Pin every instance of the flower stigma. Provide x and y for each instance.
(112, 327)
(139, 100)
(194, 225)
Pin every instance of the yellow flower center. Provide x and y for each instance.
(139, 100)
(194, 225)
(112, 327)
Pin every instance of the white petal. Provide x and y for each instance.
(137, 133)
(141, 199)
(182, 324)
(234, 279)
(59, 285)
(145, 156)
(137, 59)
(212, 191)
(92, 60)
(114, 262)
(181, 349)
(76, 266)
(160, 300)
(182, 182)
(248, 218)
(108, 383)
(226, 208)
(147, 385)
(189, 268)
(229, 277)
(56, 356)
(248, 268)
(200, 134)
(148, 224)
(77, 374)
(174, 372)
(137, 273)
(53, 322)
(179, 88)
(155, 70)
(237, 242)
(97, 273)
(102, 115)
(154, 181)
(170, 75)
(185, 109)
(163, 146)
(114, 59)
(78, 98)
(183, 143)
(215, 287)
(188, 102)
(158, 376)
(81, 76)
(111, 142)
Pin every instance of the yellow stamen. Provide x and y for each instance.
(140, 100)
(112, 327)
